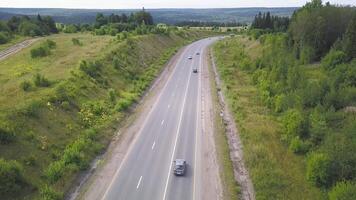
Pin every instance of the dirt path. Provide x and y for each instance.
(235, 145)
(16, 48)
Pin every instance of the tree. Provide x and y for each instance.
(344, 190)
(318, 169)
(350, 39)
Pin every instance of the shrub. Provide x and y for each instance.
(293, 123)
(41, 81)
(123, 104)
(11, 176)
(112, 95)
(25, 85)
(343, 191)
(31, 109)
(4, 38)
(65, 105)
(76, 41)
(50, 44)
(55, 171)
(90, 68)
(48, 193)
(318, 169)
(333, 58)
(6, 136)
(298, 146)
(40, 52)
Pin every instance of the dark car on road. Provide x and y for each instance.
(195, 70)
(179, 167)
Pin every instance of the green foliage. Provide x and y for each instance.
(76, 41)
(333, 58)
(4, 37)
(315, 28)
(112, 95)
(293, 123)
(349, 41)
(48, 193)
(41, 81)
(25, 85)
(298, 146)
(11, 177)
(6, 135)
(40, 52)
(318, 169)
(343, 191)
(92, 69)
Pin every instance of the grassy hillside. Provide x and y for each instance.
(58, 111)
(276, 172)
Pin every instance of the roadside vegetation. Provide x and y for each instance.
(64, 96)
(294, 96)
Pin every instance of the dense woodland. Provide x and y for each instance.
(270, 22)
(317, 108)
(26, 26)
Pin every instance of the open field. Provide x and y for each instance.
(54, 129)
(276, 172)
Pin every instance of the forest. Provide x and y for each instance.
(307, 76)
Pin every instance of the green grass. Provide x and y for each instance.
(276, 172)
(231, 189)
(48, 121)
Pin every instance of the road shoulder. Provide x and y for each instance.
(234, 146)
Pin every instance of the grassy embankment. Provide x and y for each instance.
(276, 172)
(54, 127)
(231, 190)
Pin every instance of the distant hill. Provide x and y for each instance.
(170, 16)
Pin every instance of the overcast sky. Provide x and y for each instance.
(120, 4)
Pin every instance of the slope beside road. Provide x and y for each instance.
(139, 165)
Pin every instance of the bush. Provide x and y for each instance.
(90, 68)
(343, 191)
(333, 58)
(55, 171)
(40, 52)
(298, 146)
(25, 85)
(50, 44)
(76, 41)
(11, 177)
(4, 38)
(318, 169)
(48, 193)
(41, 81)
(112, 95)
(6, 136)
(123, 104)
(293, 123)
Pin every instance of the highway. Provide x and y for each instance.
(171, 130)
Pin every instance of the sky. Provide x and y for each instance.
(122, 4)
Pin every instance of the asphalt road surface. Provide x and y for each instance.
(171, 130)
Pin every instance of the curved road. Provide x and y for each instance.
(171, 130)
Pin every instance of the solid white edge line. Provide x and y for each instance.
(139, 182)
(144, 124)
(177, 134)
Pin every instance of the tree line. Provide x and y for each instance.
(270, 22)
(26, 26)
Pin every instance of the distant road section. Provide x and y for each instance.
(16, 48)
